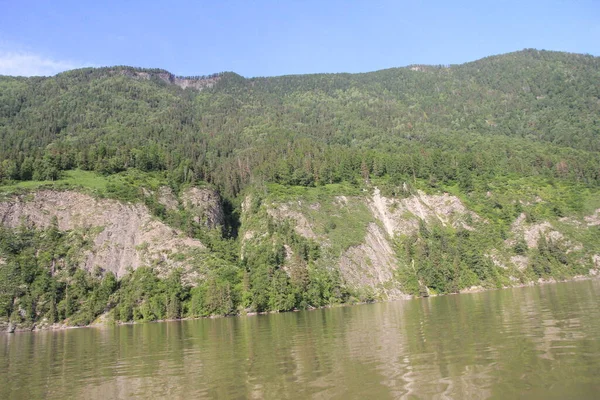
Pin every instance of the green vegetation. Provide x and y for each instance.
(508, 135)
(40, 278)
(530, 113)
(326, 208)
(40, 282)
(125, 186)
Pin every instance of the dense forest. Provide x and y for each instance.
(529, 116)
(528, 113)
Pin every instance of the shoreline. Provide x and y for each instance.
(59, 327)
(539, 282)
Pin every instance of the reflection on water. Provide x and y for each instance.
(539, 342)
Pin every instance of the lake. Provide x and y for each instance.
(536, 342)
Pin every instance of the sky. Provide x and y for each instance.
(266, 38)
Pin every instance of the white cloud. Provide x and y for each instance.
(23, 63)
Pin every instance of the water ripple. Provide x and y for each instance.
(537, 342)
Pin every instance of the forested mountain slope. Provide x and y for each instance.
(333, 187)
(531, 112)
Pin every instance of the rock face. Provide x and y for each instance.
(128, 236)
(167, 198)
(594, 219)
(369, 259)
(205, 206)
(372, 262)
(182, 82)
(401, 216)
(301, 224)
(356, 234)
(532, 233)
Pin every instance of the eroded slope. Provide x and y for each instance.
(124, 235)
(369, 238)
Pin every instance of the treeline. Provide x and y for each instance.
(304, 162)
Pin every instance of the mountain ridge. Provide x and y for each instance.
(151, 70)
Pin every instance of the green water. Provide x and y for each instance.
(534, 343)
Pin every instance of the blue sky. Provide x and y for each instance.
(264, 38)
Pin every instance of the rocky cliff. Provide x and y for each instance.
(197, 83)
(360, 235)
(203, 204)
(357, 235)
(124, 236)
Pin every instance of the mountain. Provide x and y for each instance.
(328, 188)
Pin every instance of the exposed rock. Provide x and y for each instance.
(129, 236)
(302, 226)
(570, 221)
(555, 236)
(205, 205)
(288, 252)
(401, 216)
(519, 222)
(496, 259)
(167, 198)
(371, 264)
(341, 200)
(380, 206)
(521, 262)
(595, 271)
(532, 232)
(185, 83)
(246, 204)
(473, 289)
(248, 235)
(182, 82)
(572, 248)
(594, 219)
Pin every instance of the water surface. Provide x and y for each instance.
(535, 343)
